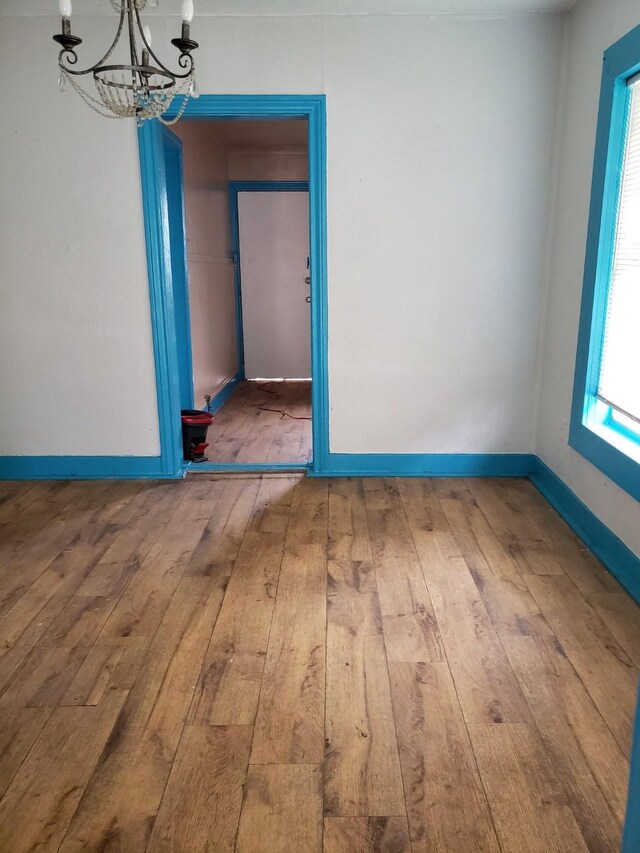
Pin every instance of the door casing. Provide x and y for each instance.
(163, 310)
(174, 170)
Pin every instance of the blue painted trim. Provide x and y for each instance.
(631, 834)
(341, 464)
(317, 119)
(248, 107)
(427, 465)
(268, 186)
(619, 560)
(610, 421)
(247, 467)
(617, 465)
(234, 188)
(85, 468)
(218, 401)
(588, 434)
(181, 298)
(156, 226)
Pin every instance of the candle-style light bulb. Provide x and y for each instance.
(65, 8)
(147, 35)
(187, 11)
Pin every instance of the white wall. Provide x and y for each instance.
(437, 203)
(592, 27)
(439, 133)
(211, 286)
(272, 165)
(76, 359)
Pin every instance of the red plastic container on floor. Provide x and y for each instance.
(195, 424)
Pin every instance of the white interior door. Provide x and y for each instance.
(274, 248)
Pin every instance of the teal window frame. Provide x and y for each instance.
(593, 432)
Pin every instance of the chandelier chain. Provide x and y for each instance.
(96, 105)
(183, 105)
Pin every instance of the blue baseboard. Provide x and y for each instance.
(338, 464)
(218, 401)
(85, 468)
(426, 465)
(623, 564)
(615, 555)
(631, 835)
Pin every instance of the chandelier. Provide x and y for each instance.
(144, 88)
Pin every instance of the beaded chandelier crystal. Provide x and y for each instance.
(143, 89)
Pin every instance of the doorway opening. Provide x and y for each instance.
(268, 418)
(234, 200)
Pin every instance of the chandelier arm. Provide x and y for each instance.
(132, 39)
(185, 60)
(70, 57)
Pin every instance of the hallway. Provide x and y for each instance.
(263, 421)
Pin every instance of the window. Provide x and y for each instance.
(605, 420)
(619, 381)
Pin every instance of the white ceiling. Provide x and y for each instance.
(26, 8)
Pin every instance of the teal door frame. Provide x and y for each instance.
(172, 149)
(157, 235)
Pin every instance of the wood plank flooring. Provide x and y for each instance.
(286, 664)
(244, 430)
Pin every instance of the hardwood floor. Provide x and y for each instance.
(263, 422)
(290, 664)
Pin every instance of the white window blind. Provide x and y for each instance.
(619, 383)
